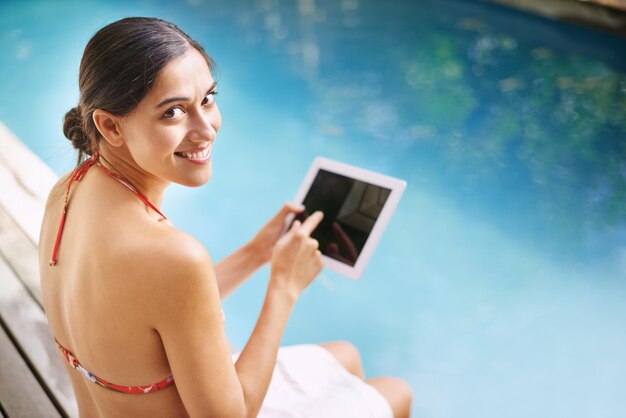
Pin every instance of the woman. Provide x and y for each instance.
(133, 303)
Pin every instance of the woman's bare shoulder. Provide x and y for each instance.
(161, 242)
(164, 254)
(178, 246)
(172, 270)
(57, 191)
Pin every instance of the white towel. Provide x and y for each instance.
(308, 382)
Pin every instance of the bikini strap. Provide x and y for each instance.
(131, 188)
(77, 175)
(132, 390)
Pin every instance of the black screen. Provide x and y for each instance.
(351, 208)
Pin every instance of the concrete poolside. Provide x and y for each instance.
(32, 379)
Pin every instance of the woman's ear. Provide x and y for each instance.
(109, 127)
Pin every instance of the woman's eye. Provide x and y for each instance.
(209, 99)
(173, 113)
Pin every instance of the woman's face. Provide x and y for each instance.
(170, 134)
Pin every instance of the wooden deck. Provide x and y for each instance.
(33, 382)
(606, 15)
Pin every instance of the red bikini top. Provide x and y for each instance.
(77, 175)
(131, 390)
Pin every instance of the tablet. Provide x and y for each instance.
(357, 206)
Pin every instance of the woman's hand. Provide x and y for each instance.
(296, 260)
(264, 241)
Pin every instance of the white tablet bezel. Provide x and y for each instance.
(396, 186)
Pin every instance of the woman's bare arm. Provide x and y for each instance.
(236, 268)
(188, 317)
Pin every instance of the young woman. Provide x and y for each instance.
(133, 303)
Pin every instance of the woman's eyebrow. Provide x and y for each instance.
(183, 99)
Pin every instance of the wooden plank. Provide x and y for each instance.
(606, 14)
(615, 4)
(26, 322)
(20, 253)
(20, 393)
(26, 182)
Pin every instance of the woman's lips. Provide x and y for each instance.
(198, 157)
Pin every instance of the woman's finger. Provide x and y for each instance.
(312, 221)
(286, 210)
(296, 224)
(295, 207)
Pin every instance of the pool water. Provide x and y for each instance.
(498, 288)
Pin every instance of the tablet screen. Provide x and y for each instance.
(351, 208)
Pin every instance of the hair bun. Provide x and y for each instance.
(73, 130)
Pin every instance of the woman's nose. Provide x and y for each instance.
(206, 124)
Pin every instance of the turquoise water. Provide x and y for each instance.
(498, 288)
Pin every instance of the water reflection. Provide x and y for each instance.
(504, 114)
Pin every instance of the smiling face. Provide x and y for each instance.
(171, 132)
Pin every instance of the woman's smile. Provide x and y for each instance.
(198, 156)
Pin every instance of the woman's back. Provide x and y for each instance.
(97, 298)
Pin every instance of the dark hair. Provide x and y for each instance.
(119, 67)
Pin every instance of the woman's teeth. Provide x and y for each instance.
(202, 154)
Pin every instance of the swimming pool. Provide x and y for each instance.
(498, 288)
